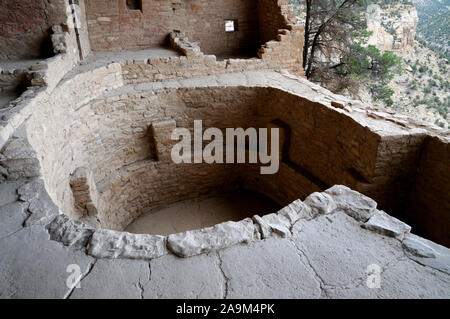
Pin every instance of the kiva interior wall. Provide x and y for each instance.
(113, 137)
(112, 26)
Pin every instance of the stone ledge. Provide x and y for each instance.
(112, 244)
(223, 235)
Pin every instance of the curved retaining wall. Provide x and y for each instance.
(93, 119)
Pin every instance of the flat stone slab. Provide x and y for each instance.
(12, 217)
(33, 266)
(42, 210)
(192, 278)
(268, 269)
(341, 251)
(312, 249)
(113, 279)
(403, 280)
(31, 190)
(8, 192)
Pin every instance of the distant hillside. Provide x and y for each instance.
(422, 90)
(434, 24)
(430, 8)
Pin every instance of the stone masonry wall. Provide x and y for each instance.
(284, 53)
(112, 26)
(25, 27)
(113, 138)
(429, 201)
(273, 16)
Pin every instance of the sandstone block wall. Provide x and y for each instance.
(105, 125)
(429, 200)
(273, 16)
(26, 28)
(84, 191)
(26, 33)
(283, 53)
(111, 138)
(112, 26)
(119, 138)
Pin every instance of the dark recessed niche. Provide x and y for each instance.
(134, 5)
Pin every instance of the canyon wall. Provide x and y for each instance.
(393, 29)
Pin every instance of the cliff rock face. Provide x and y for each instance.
(393, 29)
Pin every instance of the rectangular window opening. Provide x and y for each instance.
(231, 26)
(134, 5)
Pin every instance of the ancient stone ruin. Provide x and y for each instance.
(89, 94)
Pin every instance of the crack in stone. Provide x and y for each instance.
(89, 270)
(225, 278)
(358, 282)
(140, 285)
(141, 289)
(408, 256)
(11, 234)
(309, 266)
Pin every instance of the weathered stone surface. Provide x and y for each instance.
(267, 269)
(69, 232)
(193, 278)
(273, 225)
(42, 210)
(84, 191)
(31, 190)
(12, 217)
(320, 203)
(8, 192)
(297, 210)
(404, 24)
(19, 159)
(419, 247)
(32, 266)
(113, 279)
(387, 225)
(109, 131)
(355, 204)
(427, 253)
(400, 280)
(340, 251)
(113, 244)
(223, 235)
